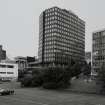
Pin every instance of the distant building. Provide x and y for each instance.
(23, 62)
(34, 64)
(88, 57)
(61, 37)
(2, 53)
(30, 59)
(98, 50)
(8, 71)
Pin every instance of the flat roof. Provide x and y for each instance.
(100, 30)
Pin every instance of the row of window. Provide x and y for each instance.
(60, 31)
(99, 57)
(98, 47)
(64, 57)
(64, 19)
(98, 34)
(51, 52)
(61, 58)
(57, 27)
(62, 13)
(6, 72)
(60, 54)
(64, 38)
(60, 27)
(97, 64)
(100, 41)
(65, 24)
(62, 43)
(58, 14)
(58, 10)
(58, 45)
(54, 59)
(6, 66)
(70, 27)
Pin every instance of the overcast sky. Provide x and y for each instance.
(19, 22)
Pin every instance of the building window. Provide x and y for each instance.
(2, 66)
(10, 73)
(10, 66)
(6, 66)
(2, 72)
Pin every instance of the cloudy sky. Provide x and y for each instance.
(19, 22)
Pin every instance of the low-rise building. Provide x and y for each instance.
(8, 71)
(23, 64)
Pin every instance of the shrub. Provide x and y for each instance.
(26, 81)
(50, 85)
(55, 77)
(32, 78)
(74, 70)
(37, 80)
(51, 77)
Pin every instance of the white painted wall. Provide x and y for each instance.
(9, 72)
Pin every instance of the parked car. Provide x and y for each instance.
(6, 92)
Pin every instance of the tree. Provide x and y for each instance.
(87, 69)
(32, 78)
(75, 70)
(37, 77)
(26, 81)
(56, 77)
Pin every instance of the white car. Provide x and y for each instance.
(6, 92)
